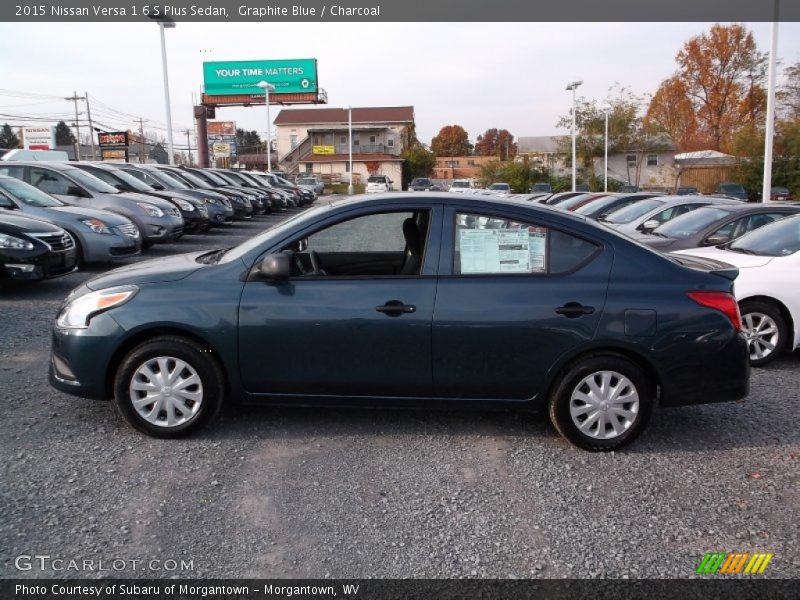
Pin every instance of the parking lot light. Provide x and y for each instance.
(166, 23)
(268, 87)
(572, 86)
(606, 109)
(350, 188)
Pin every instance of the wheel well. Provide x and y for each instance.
(637, 359)
(147, 334)
(787, 316)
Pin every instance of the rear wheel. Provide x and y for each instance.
(602, 402)
(765, 329)
(169, 387)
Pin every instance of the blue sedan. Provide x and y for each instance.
(429, 300)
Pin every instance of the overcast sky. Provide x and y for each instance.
(507, 75)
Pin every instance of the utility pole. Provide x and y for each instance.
(189, 145)
(75, 99)
(141, 140)
(91, 125)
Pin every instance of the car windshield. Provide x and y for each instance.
(598, 204)
(421, 182)
(283, 181)
(167, 180)
(136, 184)
(460, 184)
(499, 186)
(780, 238)
(32, 196)
(780, 190)
(239, 251)
(212, 177)
(93, 183)
(690, 223)
(628, 214)
(731, 188)
(305, 181)
(573, 201)
(226, 179)
(376, 179)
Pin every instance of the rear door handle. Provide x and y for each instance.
(573, 310)
(395, 308)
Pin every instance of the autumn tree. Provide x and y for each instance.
(452, 140)
(717, 91)
(8, 139)
(64, 136)
(496, 142)
(788, 95)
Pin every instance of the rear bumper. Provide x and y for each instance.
(718, 374)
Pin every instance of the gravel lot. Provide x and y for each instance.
(346, 493)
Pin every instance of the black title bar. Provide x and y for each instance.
(401, 11)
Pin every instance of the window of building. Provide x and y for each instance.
(356, 140)
(390, 142)
(309, 167)
(652, 160)
(347, 167)
(631, 158)
(293, 140)
(471, 163)
(373, 140)
(343, 139)
(487, 245)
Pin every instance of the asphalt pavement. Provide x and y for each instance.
(293, 492)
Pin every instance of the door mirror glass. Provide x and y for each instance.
(717, 239)
(649, 225)
(275, 266)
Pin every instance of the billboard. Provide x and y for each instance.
(39, 138)
(221, 128)
(289, 76)
(112, 138)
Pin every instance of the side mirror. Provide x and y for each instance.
(275, 266)
(74, 190)
(6, 203)
(716, 240)
(121, 187)
(157, 186)
(649, 225)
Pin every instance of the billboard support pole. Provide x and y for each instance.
(201, 119)
(91, 125)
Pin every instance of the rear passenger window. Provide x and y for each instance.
(486, 245)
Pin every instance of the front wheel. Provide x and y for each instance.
(602, 403)
(765, 329)
(169, 387)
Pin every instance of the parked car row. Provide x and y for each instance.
(107, 211)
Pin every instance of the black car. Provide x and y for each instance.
(714, 225)
(262, 202)
(420, 184)
(732, 190)
(33, 249)
(556, 199)
(541, 187)
(605, 205)
(687, 190)
(241, 200)
(394, 300)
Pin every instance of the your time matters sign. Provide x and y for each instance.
(243, 76)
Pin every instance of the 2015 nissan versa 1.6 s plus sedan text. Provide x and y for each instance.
(411, 299)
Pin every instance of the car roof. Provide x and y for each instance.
(56, 165)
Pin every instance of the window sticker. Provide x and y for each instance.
(537, 244)
(494, 251)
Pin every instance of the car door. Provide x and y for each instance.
(359, 327)
(512, 300)
(738, 227)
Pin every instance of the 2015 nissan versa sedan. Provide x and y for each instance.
(409, 299)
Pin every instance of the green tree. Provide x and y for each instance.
(520, 175)
(417, 162)
(452, 140)
(64, 135)
(8, 139)
(248, 142)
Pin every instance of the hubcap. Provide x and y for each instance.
(166, 391)
(604, 405)
(762, 334)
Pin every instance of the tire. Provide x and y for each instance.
(766, 331)
(183, 359)
(606, 427)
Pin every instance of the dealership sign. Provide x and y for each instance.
(242, 77)
(39, 138)
(222, 128)
(323, 150)
(113, 138)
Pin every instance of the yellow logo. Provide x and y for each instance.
(724, 563)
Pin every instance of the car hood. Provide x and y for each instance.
(743, 261)
(655, 241)
(139, 197)
(159, 270)
(78, 213)
(12, 223)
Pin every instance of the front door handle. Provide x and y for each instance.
(395, 308)
(573, 310)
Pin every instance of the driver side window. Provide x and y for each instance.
(380, 245)
(50, 182)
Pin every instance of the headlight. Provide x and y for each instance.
(184, 205)
(151, 209)
(77, 313)
(96, 225)
(15, 243)
(210, 200)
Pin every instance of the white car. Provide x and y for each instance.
(377, 184)
(500, 189)
(462, 186)
(768, 286)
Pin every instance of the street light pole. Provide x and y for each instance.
(350, 187)
(267, 87)
(572, 86)
(163, 23)
(766, 184)
(606, 110)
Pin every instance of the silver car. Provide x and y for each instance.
(99, 235)
(157, 220)
(647, 214)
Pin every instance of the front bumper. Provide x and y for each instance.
(161, 229)
(103, 247)
(30, 266)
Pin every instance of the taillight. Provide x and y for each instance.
(721, 301)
